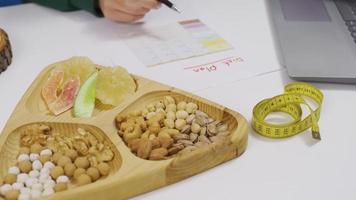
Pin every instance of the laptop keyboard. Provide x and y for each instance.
(347, 9)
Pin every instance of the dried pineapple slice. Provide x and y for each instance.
(76, 66)
(114, 85)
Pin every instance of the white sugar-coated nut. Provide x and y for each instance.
(14, 170)
(35, 194)
(22, 178)
(37, 186)
(62, 179)
(46, 152)
(34, 156)
(181, 105)
(25, 190)
(43, 178)
(17, 186)
(24, 196)
(45, 171)
(4, 188)
(23, 157)
(34, 174)
(37, 165)
(47, 192)
(49, 183)
(48, 165)
(30, 182)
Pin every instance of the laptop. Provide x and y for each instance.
(317, 38)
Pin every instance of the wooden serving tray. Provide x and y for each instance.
(130, 175)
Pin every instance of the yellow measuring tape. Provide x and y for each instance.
(290, 103)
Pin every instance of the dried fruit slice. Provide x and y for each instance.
(85, 100)
(66, 99)
(114, 85)
(76, 66)
(50, 88)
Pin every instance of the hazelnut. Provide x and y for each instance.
(63, 161)
(83, 179)
(82, 162)
(78, 172)
(69, 169)
(10, 178)
(56, 157)
(60, 187)
(36, 148)
(57, 171)
(93, 172)
(25, 166)
(24, 150)
(72, 154)
(104, 169)
(44, 158)
(12, 194)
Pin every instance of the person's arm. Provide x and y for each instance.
(91, 6)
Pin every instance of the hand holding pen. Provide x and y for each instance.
(130, 10)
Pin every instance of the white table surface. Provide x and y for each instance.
(294, 168)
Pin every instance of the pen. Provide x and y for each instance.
(169, 5)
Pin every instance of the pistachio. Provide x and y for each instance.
(185, 129)
(212, 130)
(222, 128)
(193, 137)
(165, 142)
(190, 119)
(180, 136)
(188, 149)
(203, 139)
(185, 142)
(203, 131)
(175, 149)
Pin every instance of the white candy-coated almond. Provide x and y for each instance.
(14, 170)
(62, 179)
(47, 192)
(37, 186)
(37, 165)
(35, 194)
(23, 157)
(17, 186)
(25, 190)
(4, 188)
(34, 174)
(24, 196)
(34, 156)
(48, 165)
(22, 178)
(46, 152)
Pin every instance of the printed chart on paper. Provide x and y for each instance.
(174, 42)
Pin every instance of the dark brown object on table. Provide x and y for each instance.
(5, 51)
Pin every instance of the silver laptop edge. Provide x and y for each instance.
(314, 42)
